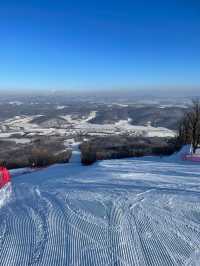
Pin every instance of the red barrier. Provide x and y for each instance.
(4, 176)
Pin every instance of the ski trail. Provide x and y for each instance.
(5, 194)
(17, 246)
(121, 213)
(38, 213)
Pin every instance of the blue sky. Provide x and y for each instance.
(99, 44)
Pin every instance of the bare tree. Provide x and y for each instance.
(189, 128)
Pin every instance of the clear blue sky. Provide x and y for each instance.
(83, 44)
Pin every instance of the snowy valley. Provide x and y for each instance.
(55, 123)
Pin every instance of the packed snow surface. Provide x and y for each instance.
(118, 212)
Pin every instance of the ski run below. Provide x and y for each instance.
(142, 211)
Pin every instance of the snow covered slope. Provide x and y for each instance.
(118, 212)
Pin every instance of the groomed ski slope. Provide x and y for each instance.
(118, 212)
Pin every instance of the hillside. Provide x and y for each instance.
(117, 212)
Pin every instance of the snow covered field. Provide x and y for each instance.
(119, 212)
(77, 127)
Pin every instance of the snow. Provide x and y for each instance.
(5, 135)
(147, 131)
(15, 103)
(120, 104)
(123, 123)
(91, 116)
(76, 126)
(8, 137)
(18, 140)
(143, 211)
(60, 107)
(5, 194)
(173, 105)
(69, 142)
(75, 121)
(197, 151)
(159, 132)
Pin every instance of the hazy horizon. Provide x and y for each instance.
(147, 92)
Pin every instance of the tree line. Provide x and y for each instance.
(189, 127)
